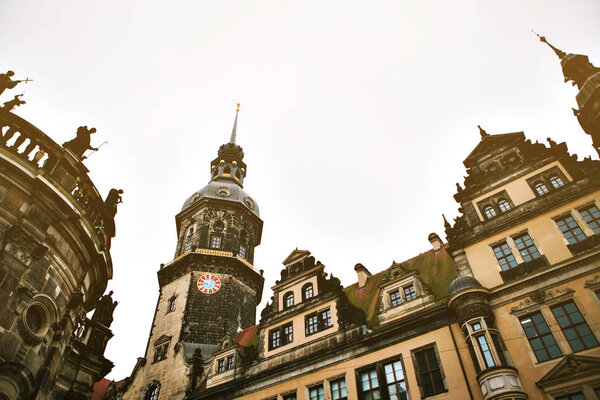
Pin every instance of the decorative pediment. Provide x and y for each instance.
(541, 297)
(295, 256)
(162, 339)
(570, 368)
(297, 262)
(491, 143)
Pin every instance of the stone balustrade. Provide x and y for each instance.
(40, 156)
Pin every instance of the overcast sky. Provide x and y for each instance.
(355, 117)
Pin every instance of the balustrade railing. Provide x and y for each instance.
(59, 166)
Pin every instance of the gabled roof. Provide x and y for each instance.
(570, 368)
(490, 142)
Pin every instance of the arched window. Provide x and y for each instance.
(190, 232)
(503, 205)
(307, 291)
(489, 212)
(152, 392)
(556, 182)
(218, 226)
(288, 300)
(541, 189)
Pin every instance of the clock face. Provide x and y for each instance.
(209, 284)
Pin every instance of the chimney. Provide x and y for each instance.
(436, 242)
(363, 274)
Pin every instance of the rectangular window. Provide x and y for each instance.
(316, 393)
(395, 298)
(288, 333)
(230, 362)
(172, 302)
(385, 380)
(281, 336)
(574, 327)
(338, 390)
(274, 339)
(591, 216)
(570, 229)
(221, 365)
(409, 293)
(310, 323)
(429, 372)
(369, 384)
(243, 252)
(325, 319)
(485, 350)
(317, 322)
(526, 247)
(395, 380)
(504, 256)
(160, 352)
(541, 340)
(289, 396)
(215, 242)
(188, 246)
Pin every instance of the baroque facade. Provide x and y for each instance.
(508, 308)
(55, 235)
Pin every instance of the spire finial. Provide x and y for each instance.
(234, 130)
(482, 132)
(446, 224)
(558, 52)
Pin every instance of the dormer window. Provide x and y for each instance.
(556, 181)
(288, 300)
(541, 188)
(489, 212)
(395, 298)
(503, 205)
(307, 291)
(409, 292)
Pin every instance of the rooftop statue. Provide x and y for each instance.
(104, 310)
(112, 200)
(9, 105)
(6, 82)
(81, 143)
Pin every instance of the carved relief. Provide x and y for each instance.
(22, 246)
(540, 297)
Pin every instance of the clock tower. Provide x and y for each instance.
(210, 290)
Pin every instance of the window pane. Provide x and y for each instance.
(526, 247)
(541, 340)
(395, 298)
(485, 351)
(504, 256)
(429, 371)
(591, 215)
(570, 229)
(576, 330)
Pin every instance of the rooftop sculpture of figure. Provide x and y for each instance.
(112, 200)
(6, 82)
(104, 310)
(9, 105)
(81, 143)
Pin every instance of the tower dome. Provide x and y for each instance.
(228, 171)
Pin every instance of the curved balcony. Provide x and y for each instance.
(501, 383)
(58, 177)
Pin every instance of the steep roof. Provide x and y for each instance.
(248, 337)
(436, 270)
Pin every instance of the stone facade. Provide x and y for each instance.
(54, 266)
(508, 308)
